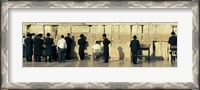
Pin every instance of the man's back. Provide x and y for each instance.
(96, 48)
(81, 42)
(62, 43)
(28, 42)
(173, 40)
(49, 41)
(135, 45)
(38, 46)
(68, 41)
(106, 42)
(38, 43)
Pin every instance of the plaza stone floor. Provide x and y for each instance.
(99, 63)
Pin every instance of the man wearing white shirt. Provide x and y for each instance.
(96, 50)
(61, 46)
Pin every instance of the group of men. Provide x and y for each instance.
(34, 46)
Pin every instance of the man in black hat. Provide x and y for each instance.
(135, 47)
(69, 42)
(106, 42)
(38, 42)
(29, 47)
(173, 44)
(49, 47)
(173, 39)
(81, 43)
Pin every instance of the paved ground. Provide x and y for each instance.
(99, 63)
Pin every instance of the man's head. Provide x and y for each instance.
(48, 34)
(68, 34)
(33, 34)
(104, 36)
(40, 35)
(62, 36)
(134, 37)
(81, 35)
(97, 42)
(28, 35)
(173, 33)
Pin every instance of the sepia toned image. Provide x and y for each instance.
(73, 44)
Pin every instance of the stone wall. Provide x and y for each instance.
(155, 35)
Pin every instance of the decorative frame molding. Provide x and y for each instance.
(194, 5)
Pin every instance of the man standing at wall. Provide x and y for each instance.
(106, 42)
(38, 42)
(69, 42)
(135, 47)
(173, 45)
(61, 46)
(49, 47)
(82, 43)
(29, 47)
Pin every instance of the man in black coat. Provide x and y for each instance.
(49, 47)
(69, 42)
(173, 44)
(135, 47)
(106, 42)
(29, 47)
(38, 42)
(173, 39)
(81, 43)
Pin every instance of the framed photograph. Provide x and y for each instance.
(100, 44)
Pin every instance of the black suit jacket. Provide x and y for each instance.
(81, 43)
(29, 46)
(173, 40)
(68, 41)
(38, 42)
(135, 45)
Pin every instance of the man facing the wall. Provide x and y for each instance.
(106, 42)
(135, 47)
(29, 47)
(69, 42)
(173, 45)
(38, 42)
(82, 43)
(61, 46)
(49, 47)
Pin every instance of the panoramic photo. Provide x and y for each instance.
(92, 44)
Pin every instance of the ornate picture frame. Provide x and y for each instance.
(6, 5)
